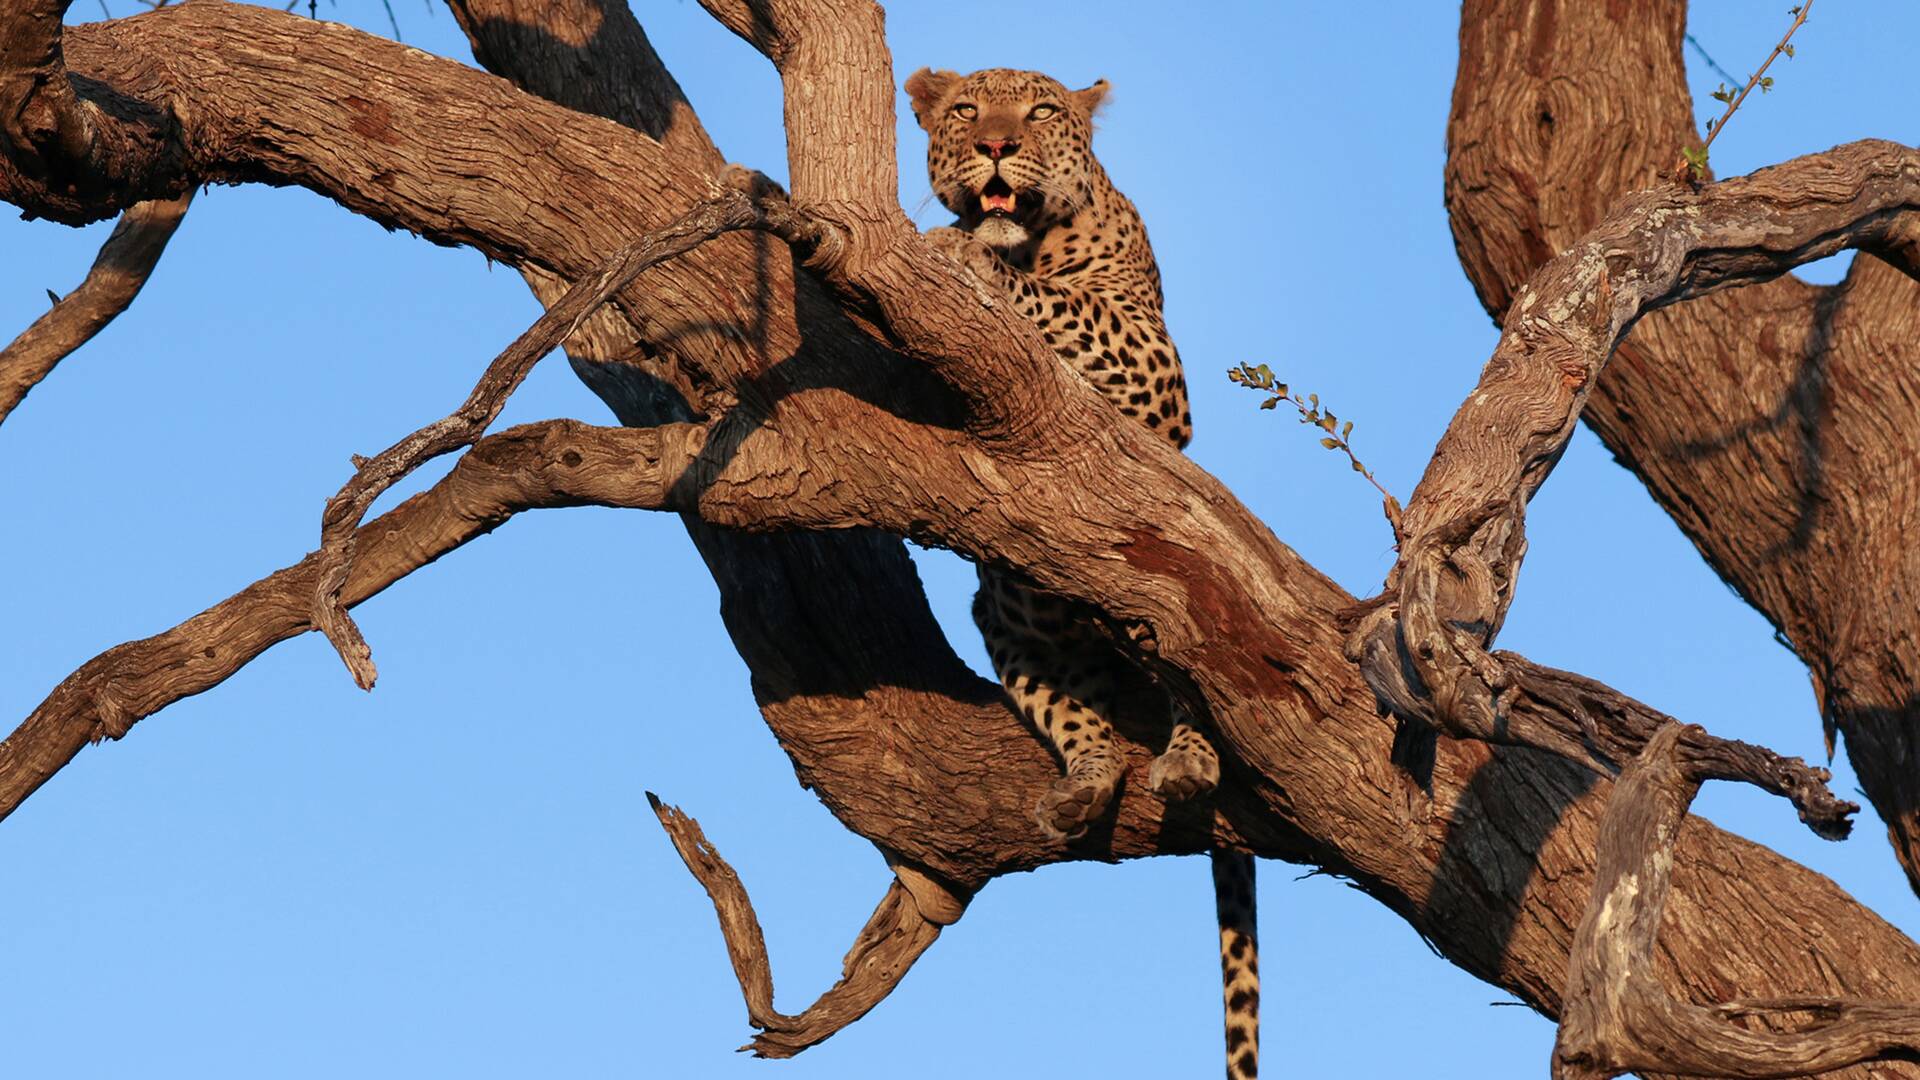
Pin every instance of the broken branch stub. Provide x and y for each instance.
(882, 953)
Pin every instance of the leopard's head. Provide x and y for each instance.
(1009, 152)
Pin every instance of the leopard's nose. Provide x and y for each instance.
(997, 148)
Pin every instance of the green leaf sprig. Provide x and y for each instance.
(1260, 378)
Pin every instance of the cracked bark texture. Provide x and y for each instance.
(1777, 424)
(900, 741)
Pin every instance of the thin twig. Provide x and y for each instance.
(1261, 378)
(1694, 165)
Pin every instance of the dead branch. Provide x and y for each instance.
(560, 463)
(882, 954)
(119, 272)
(1542, 702)
(1618, 1017)
(1424, 652)
(731, 208)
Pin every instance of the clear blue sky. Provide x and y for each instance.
(457, 874)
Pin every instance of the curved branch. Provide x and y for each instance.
(73, 145)
(119, 272)
(730, 209)
(1618, 1017)
(1464, 527)
(1777, 424)
(885, 950)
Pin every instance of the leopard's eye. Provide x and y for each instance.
(1042, 112)
(965, 111)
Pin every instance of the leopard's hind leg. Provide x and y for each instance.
(1064, 691)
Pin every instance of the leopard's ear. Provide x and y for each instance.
(1090, 99)
(927, 88)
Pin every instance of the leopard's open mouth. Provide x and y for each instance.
(998, 197)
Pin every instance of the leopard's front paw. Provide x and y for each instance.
(1184, 772)
(1076, 800)
(965, 249)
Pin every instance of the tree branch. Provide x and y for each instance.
(1465, 535)
(885, 950)
(560, 463)
(1776, 424)
(1619, 1018)
(73, 145)
(119, 272)
(732, 208)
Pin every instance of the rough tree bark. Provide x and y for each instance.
(802, 408)
(1786, 450)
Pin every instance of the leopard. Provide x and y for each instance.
(1038, 221)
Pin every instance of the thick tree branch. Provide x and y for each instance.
(1464, 527)
(1619, 1018)
(894, 937)
(119, 272)
(75, 145)
(1777, 424)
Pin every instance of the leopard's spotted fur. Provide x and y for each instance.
(1010, 153)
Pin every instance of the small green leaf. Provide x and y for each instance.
(1788, 49)
(1357, 467)
(1270, 403)
(1281, 389)
(1266, 373)
(1331, 444)
(1327, 422)
(1347, 430)
(1696, 158)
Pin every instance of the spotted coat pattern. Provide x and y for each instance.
(1010, 153)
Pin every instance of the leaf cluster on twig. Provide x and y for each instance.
(1260, 377)
(1694, 159)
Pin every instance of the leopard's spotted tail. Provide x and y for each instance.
(1239, 961)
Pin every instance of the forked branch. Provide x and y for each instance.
(886, 948)
(1617, 1016)
(559, 463)
(731, 208)
(1423, 649)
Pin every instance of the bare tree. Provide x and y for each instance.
(802, 414)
